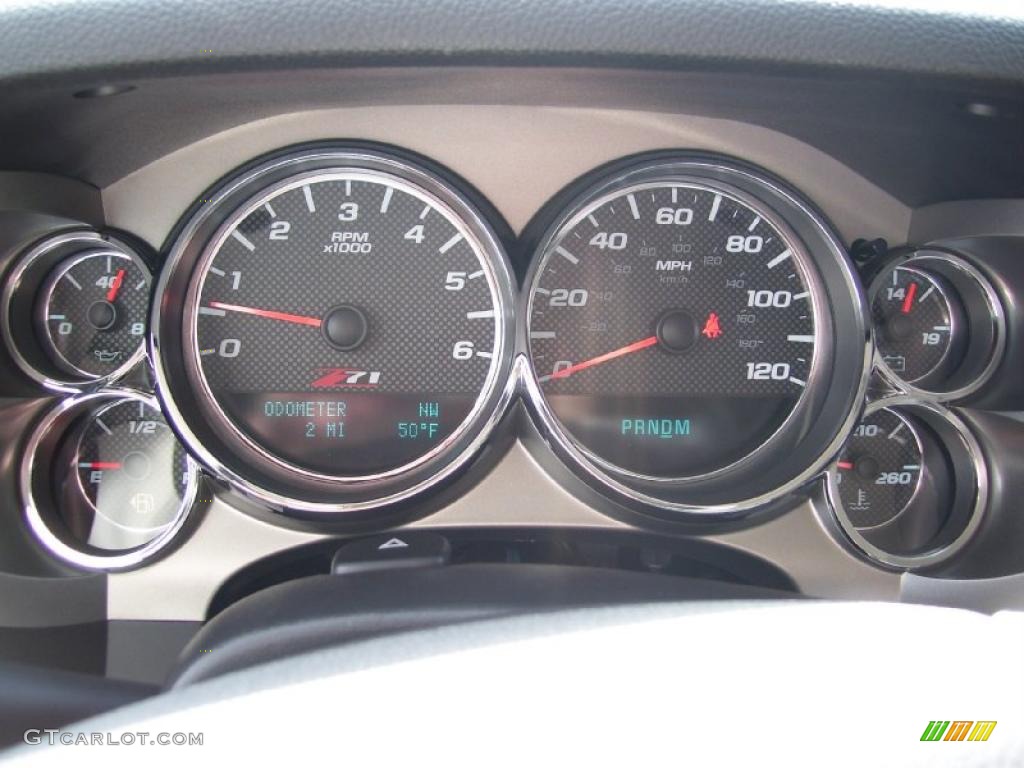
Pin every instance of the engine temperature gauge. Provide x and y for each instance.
(909, 489)
(879, 471)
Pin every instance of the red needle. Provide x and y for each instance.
(909, 299)
(101, 465)
(845, 464)
(284, 316)
(115, 286)
(634, 347)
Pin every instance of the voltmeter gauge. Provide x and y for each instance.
(109, 484)
(919, 323)
(939, 324)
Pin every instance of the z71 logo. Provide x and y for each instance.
(329, 378)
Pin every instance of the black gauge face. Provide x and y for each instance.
(672, 327)
(914, 323)
(879, 471)
(346, 324)
(127, 480)
(92, 314)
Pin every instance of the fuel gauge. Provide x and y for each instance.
(129, 477)
(109, 484)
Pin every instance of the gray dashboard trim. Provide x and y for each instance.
(47, 193)
(966, 218)
(982, 39)
(32, 601)
(852, 118)
(516, 493)
(985, 595)
(544, 148)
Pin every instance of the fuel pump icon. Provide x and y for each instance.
(144, 504)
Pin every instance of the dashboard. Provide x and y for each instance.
(761, 326)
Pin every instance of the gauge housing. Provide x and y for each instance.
(948, 505)
(221, 446)
(47, 443)
(802, 446)
(26, 291)
(978, 335)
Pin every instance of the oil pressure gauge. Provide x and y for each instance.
(75, 310)
(92, 313)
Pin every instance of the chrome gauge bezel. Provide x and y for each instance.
(707, 496)
(946, 550)
(919, 260)
(46, 434)
(253, 471)
(50, 255)
(800, 257)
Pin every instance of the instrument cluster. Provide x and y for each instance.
(334, 331)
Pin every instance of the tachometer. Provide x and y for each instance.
(679, 324)
(346, 324)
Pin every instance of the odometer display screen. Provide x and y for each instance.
(346, 323)
(672, 327)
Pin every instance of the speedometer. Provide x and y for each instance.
(679, 324)
(344, 327)
(678, 332)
